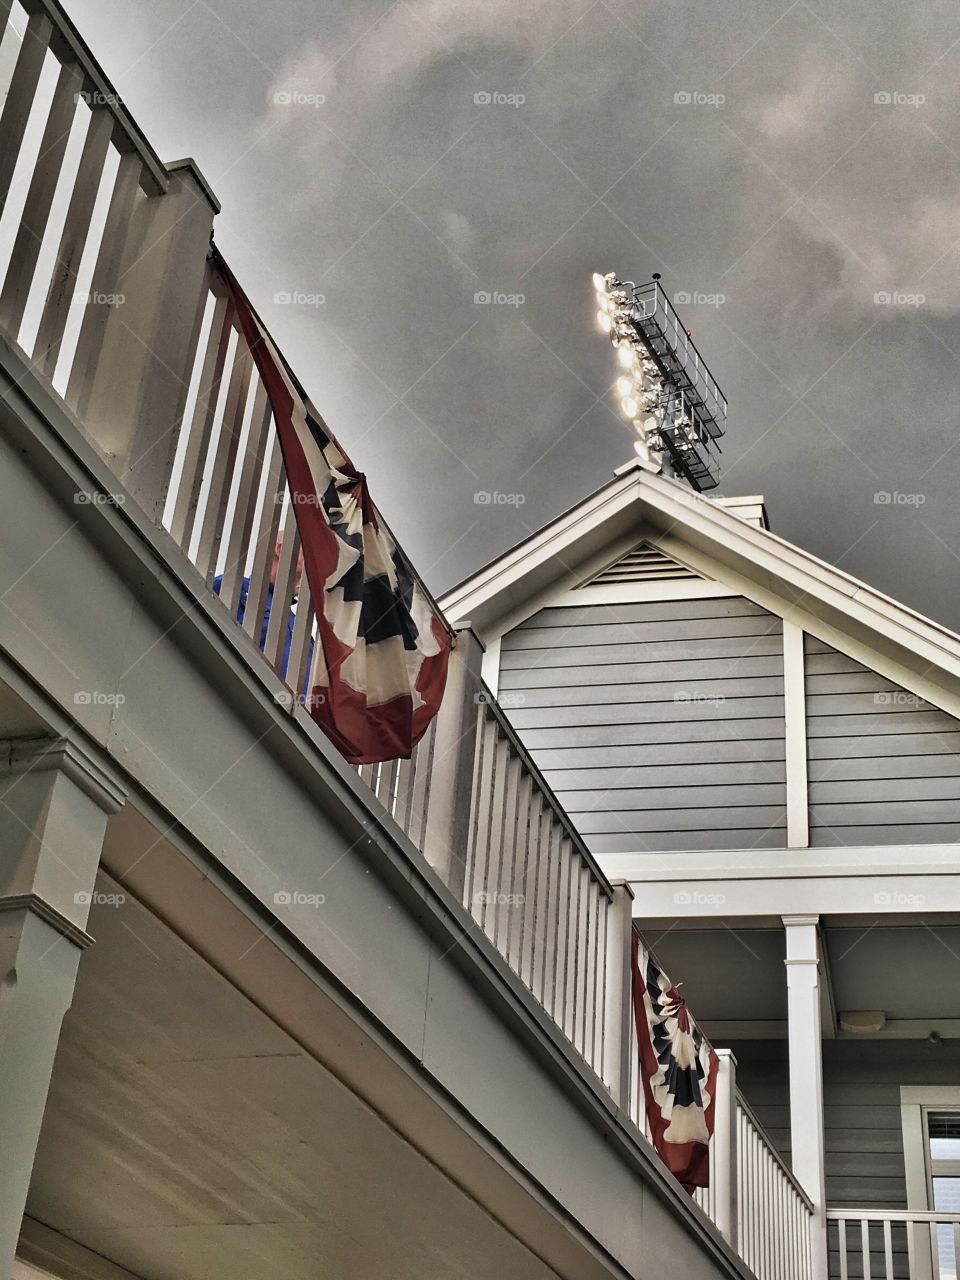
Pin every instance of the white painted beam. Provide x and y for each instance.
(795, 713)
(885, 893)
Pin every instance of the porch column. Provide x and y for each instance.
(806, 1074)
(54, 804)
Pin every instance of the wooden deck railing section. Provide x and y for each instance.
(111, 298)
(887, 1244)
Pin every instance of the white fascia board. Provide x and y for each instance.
(896, 894)
(471, 600)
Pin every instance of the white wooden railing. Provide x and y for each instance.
(775, 1214)
(108, 291)
(893, 1244)
(513, 858)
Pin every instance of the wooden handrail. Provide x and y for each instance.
(891, 1215)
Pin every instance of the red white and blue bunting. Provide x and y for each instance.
(379, 668)
(678, 1070)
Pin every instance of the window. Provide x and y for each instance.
(931, 1151)
(943, 1160)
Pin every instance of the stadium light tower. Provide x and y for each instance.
(666, 390)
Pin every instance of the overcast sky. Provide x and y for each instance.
(356, 165)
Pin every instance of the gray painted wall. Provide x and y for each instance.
(659, 725)
(884, 766)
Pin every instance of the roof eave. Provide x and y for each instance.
(558, 554)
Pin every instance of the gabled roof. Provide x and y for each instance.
(706, 537)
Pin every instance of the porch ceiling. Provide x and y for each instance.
(909, 971)
(188, 1136)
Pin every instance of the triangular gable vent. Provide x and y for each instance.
(644, 564)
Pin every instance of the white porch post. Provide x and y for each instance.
(806, 1074)
(54, 804)
(620, 1036)
(451, 784)
(725, 1147)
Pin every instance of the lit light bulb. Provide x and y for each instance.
(599, 282)
(604, 321)
(625, 386)
(625, 354)
(629, 407)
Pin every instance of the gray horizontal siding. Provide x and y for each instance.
(884, 764)
(638, 652)
(658, 724)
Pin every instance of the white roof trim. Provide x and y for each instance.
(727, 548)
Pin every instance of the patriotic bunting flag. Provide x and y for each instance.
(678, 1069)
(379, 667)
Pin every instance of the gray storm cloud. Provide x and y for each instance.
(817, 201)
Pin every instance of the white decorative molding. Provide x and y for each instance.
(40, 755)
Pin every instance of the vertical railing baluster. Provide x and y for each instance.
(888, 1249)
(478, 800)
(265, 545)
(244, 509)
(200, 427)
(487, 915)
(274, 650)
(224, 460)
(20, 96)
(559, 1010)
(842, 1233)
(63, 282)
(299, 662)
(36, 210)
